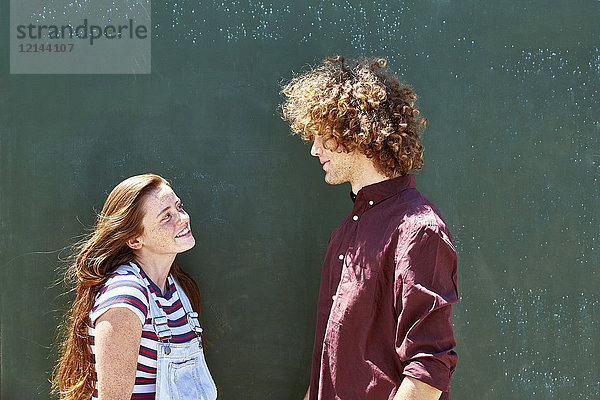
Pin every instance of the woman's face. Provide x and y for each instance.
(166, 224)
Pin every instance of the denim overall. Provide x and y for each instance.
(181, 373)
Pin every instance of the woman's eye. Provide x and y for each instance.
(167, 216)
(180, 206)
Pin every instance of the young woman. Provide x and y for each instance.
(133, 330)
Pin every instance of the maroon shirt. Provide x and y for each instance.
(384, 311)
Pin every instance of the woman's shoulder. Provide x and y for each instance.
(129, 269)
(126, 277)
(124, 288)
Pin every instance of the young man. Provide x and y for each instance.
(384, 318)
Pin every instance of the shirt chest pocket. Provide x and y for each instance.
(355, 294)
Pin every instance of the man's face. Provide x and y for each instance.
(339, 166)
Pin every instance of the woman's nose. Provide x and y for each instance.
(183, 216)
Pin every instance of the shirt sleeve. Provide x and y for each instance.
(425, 289)
(122, 290)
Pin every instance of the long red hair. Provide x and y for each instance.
(95, 259)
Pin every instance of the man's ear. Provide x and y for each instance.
(135, 243)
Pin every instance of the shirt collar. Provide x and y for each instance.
(352, 195)
(154, 286)
(377, 192)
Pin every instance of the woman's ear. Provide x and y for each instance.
(135, 243)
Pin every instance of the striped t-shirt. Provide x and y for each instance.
(125, 289)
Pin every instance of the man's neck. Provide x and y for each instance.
(367, 175)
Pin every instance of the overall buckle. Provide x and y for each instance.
(192, 318)
(163, 332)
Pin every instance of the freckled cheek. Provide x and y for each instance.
(164, 236)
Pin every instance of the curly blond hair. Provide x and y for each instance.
(364, 107)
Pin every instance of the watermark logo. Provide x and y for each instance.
(80, 37)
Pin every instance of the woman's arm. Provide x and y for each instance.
(118, 336)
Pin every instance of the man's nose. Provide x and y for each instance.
(315, 149)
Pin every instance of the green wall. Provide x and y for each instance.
(512, 155)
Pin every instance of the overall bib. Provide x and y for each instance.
(181, 373)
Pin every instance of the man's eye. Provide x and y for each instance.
(180, 206)
(167, 216)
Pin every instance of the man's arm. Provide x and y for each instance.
(425, 289)
(414, 389)
(307, 395)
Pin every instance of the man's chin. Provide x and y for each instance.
(334, 182)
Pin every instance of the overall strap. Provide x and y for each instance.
(157, 315)
(192, 316)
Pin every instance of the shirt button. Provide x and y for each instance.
(341, 256)
(371, 202)
(334, 297)
(355, 217)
